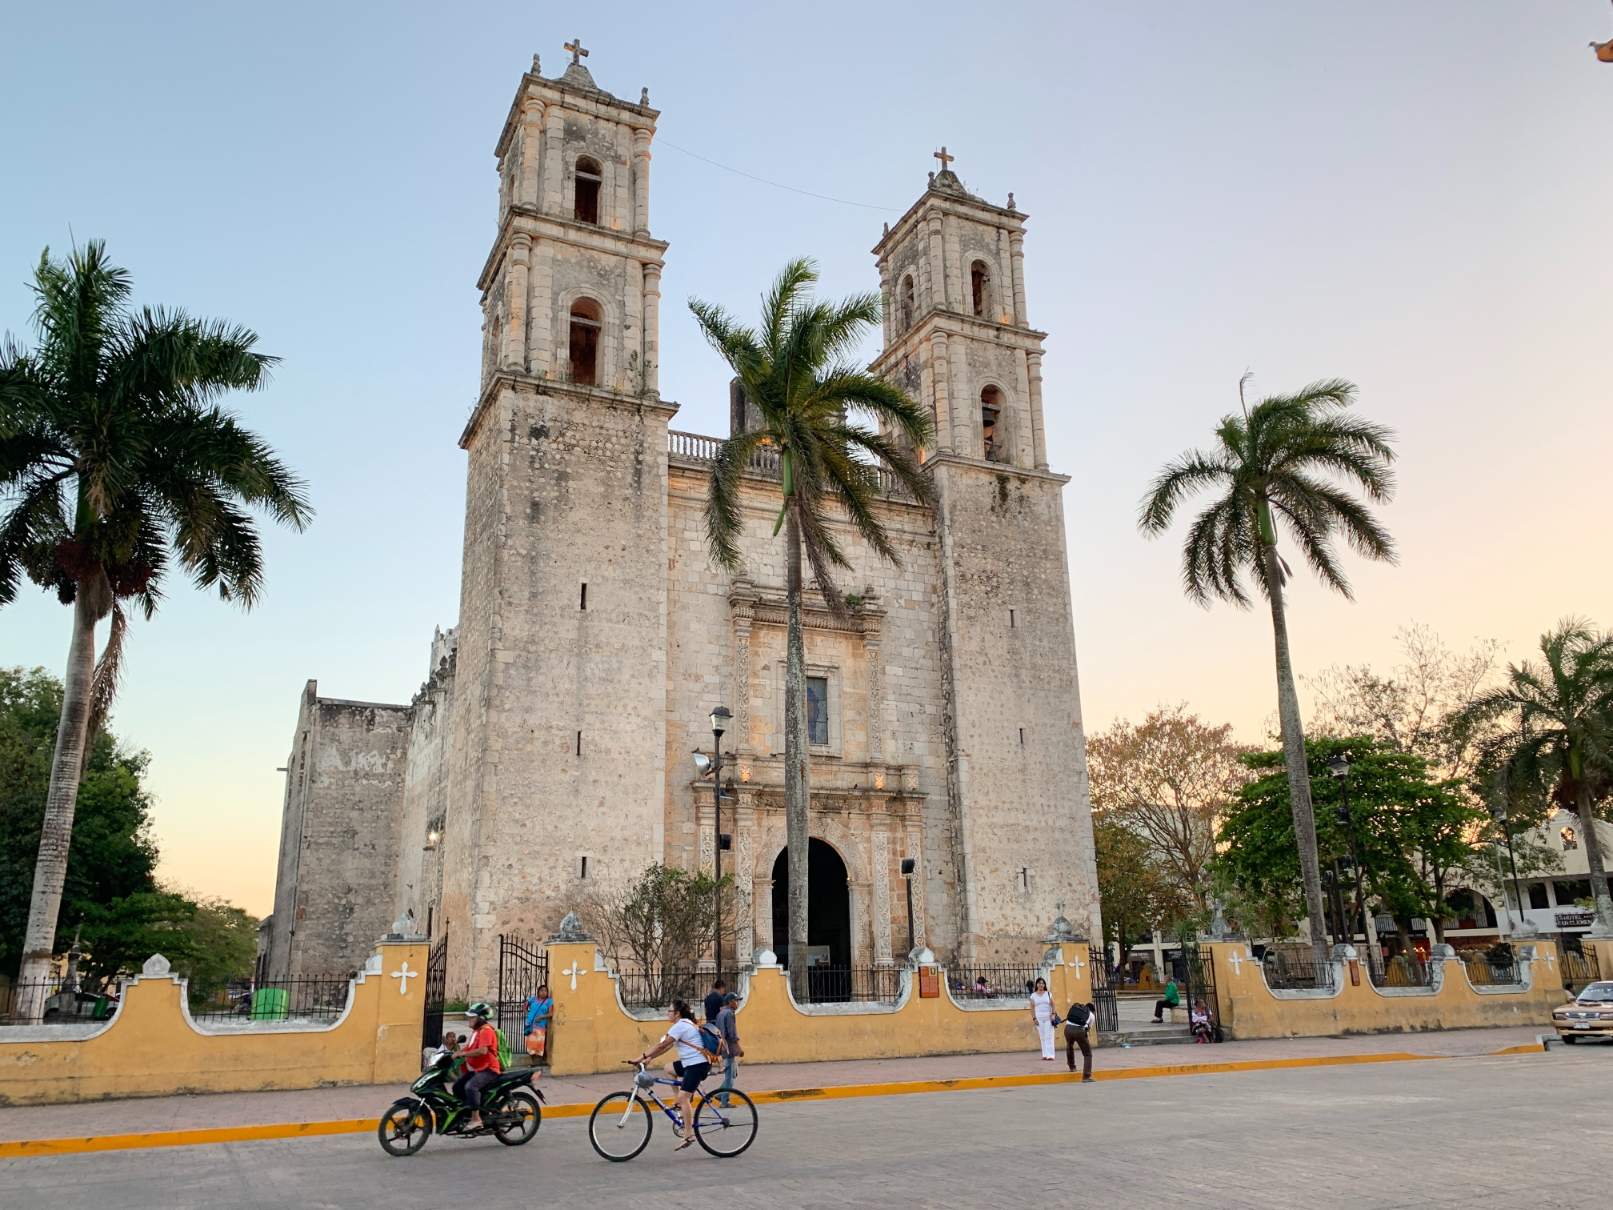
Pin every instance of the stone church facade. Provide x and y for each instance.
(547, 754)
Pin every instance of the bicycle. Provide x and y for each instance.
(621, 1124)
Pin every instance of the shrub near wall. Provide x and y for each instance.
(151, 1047)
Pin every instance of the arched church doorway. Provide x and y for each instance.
(828, 907)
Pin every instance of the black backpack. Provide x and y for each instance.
(1078, 1017)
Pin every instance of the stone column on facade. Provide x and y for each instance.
(621, 210)
(1025, 422)
(762, 914)
(631, 338)
(876, 698)
(945, 429)
(915, 850)
(937, 266)
(953, 253)
(887, 307)
(517, 257)
(531, 152)
(882, 892)
(652, 329)
(1033, 368)
(1016, 244)
(744, 861)
(641, 181)
(540, 353)
(554, 160)
(965, 409)
(743, 612)
(1002, 288)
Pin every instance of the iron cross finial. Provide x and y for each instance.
(946, 160)
(578, 54)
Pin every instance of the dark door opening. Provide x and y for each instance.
(828, 907)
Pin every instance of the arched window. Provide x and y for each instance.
(586, 319)
(980, 288)
(909, 302)
(589, 176)
(994, 444)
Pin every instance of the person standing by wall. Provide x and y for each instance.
(715, 998)
(1078, 1032)
(1042, 1017)
(539, 1009)
(728, 1030)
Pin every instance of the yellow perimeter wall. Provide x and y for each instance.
(592, 1032)
(1251, 1010)
(150, 1047)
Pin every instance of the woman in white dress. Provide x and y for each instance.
(1042, 1017)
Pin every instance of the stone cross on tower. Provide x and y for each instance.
(578, 54)
(946, 160)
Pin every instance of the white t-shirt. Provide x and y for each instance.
(687, 1035)
(1042, 1005)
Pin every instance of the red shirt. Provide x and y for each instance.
(488, 1037)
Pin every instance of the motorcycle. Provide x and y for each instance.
(511, 1110)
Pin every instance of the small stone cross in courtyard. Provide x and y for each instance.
(403, 974)
(578, 54)
(574, 972)
(946, 160)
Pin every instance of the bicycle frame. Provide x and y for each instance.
(646, 1093)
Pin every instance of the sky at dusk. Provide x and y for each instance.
(1412, 196)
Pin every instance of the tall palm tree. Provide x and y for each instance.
(116, 460)
(1276, 467)
(795, 369)
(1558, 739)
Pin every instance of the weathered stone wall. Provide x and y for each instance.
(1025, 828)
(339, 835)
(418, 885)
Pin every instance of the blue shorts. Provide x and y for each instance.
(692, 1074)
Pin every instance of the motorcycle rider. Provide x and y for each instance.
(481, 1062)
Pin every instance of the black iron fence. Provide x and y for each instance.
(993, 981)
(1485, 970)
(1103, 991)
(1401, 970)
(523, 967)
(1579, 968)
(44, 1001)
(851, 985)
(1290, 972)
(657, 989)
(317, 998)
(1198, 968)
(431, 1029)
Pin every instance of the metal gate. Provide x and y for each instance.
(1103, 991)
(436, 985)
(523, 967)
(1199, 976)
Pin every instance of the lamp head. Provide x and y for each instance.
(719, 720)
(908, 866)
(1339, 766)
(702, 764)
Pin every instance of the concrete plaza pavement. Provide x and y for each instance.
(1515, 1131)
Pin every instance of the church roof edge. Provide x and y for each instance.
(960, 198)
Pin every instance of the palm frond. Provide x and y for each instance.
(1180, 479)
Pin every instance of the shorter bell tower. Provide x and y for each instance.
(958, 338)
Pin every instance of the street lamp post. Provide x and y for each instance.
(908, 866)
(719, 724)
(1498, 808)
(1339, 768)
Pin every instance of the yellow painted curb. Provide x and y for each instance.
(292, 1130)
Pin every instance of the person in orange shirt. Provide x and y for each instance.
(481, 1062)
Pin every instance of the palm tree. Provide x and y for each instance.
(115, 459)
(795, 370)
(1277, 467)
(1558, 738)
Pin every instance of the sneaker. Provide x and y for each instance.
(1086, 1079)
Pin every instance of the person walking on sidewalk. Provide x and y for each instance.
(1173, 999)
(1078, 1032)
(1043, 1017)
(728, 1030)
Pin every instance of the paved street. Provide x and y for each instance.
(1529, 1130)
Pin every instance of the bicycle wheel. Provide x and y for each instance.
(725, 1131)
(516, 1119)
(402, 1130)
(619, 1128)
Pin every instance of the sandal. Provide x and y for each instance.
(685, 1143)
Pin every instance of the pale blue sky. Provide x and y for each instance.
(1415, 196)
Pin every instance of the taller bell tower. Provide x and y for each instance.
(557, 752)
(959, 339)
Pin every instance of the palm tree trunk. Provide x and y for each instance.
(1299, 778)
(796, 822)
(56, 830)
(1593, 859)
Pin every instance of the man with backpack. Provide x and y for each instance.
(1078, 1032)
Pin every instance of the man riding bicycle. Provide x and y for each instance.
(481, 1062)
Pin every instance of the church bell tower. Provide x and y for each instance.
(958, 338)
(558, 745)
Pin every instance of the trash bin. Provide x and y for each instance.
(269, 1004)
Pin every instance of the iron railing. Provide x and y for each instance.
(763, 460)
(1484, 971)
(1103, 991)
(431, 1027)
(993, 981)
(1579, 968)
(44, 1000)
(1402, 970)
(523, 967)
(851, 985)
(1286, 972)
(657, 989)
(318, 998)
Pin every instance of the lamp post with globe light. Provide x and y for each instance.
(713, 765)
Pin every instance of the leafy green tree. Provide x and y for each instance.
(1412, 832)
(210, 942)
(1139, 894)
(116, 460)
(1275, 468)
(796, 369)
(1556, 738)
(112, 853)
